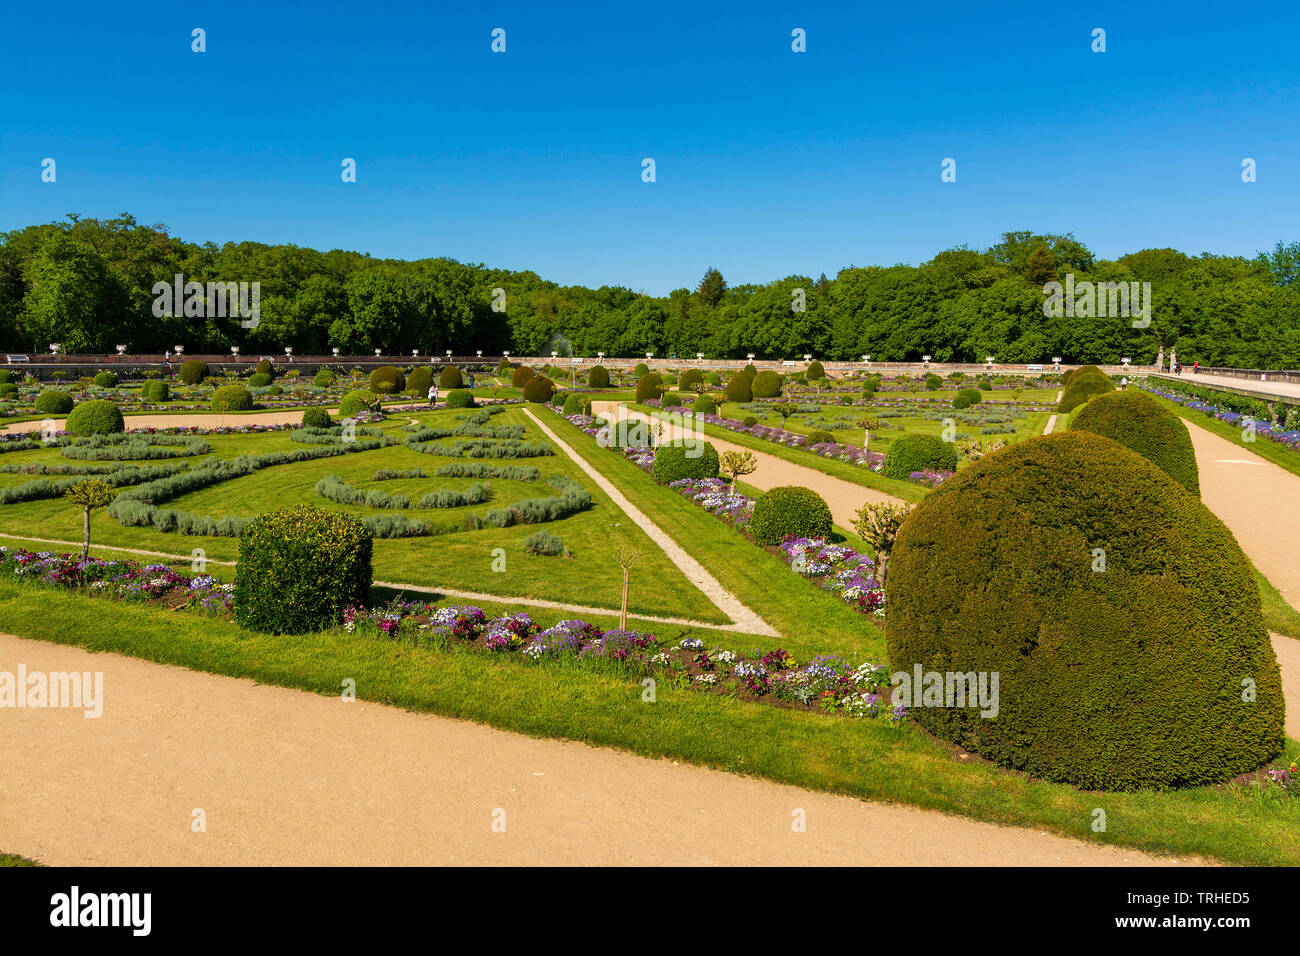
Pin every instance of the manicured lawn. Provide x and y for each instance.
(601, 705)
(11, 859)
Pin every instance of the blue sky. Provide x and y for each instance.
(769, 163)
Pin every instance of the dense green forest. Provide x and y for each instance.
(87, 284)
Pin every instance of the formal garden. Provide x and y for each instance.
(546, 542)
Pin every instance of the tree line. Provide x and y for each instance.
(88, 285)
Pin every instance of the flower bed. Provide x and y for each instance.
(125, 580)
(1263, 426)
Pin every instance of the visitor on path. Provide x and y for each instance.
(433, 395)
(1195, 366)
(1123, 383)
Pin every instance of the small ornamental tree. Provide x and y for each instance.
(878, 524)
(736, 464)
(88, 495)
(785, 410)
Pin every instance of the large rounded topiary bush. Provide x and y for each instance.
(815, 371)
(259, 380)
(540, 389)
(966, 398)
(324, 378)
(705, 405)
(1118, 613)
(766, 384)
(98, 417)
(1138, 422)
(450, 377)
(692, 376)
(1082, 388)
(460, 398)
(106, 380)
(689, 458)
(53, 401)
(356, 401)
(917, 453)
(740, 388)
(193, 371)
(232, 398)
(576, 404)
(640, 369)
(598, 377)
(648, 386)
(265, 367)
(790, 510)
(419, 381)
(520, 376)
(316, 418)
(387, 380)
(155, 391)
(299, 569)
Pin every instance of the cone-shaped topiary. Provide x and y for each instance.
(419, 381)
(520, 376)
(1119, 614)
(264, 367)
(917, 453)
(1137, 421)
(54, 401)
(1082, 388)
(299, 569)
(740, 388)
(815, 371)
(232, 398)
(790, 510)
(766, 384)
(649, 385)
(96, 417)
(688, 458)
(449, 378)
(540, 389)
(598, 377)
(387, 380)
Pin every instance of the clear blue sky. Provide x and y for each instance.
(769, 162)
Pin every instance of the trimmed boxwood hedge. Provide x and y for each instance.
(966, 398)
(1113, 679)
(232, 398)
(575, 404)
(460, 398)
(53, 401)
(449, 377)
(97, 417)
(790, 510)
(685, 459)
(819, 436)
(648, 386)
(155, 391)
(300, 568)
(766, 384)
(387, 380)
(598, 377)
(357, 400)
(259, 380)
(106, 380)
(705, 405)
(540, 389)
(1138, 422)
(1082, 388)
(324, 378)
(520, 376)
(692, 376)
(193, 371)
(740, 388)
(265, 367)
(918, 452)
(316, 418)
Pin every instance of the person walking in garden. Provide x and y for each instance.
(1123, 383)
(433, 395)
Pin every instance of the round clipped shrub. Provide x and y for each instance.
(450, 377)
(97, 417)
(540, 389)
(689, 458)
(155, 391)
(54, 401)
(460, 398)
(767, 384)
(739, 389)
(790, 510)
(750, 421)
(316, 418)
(966, 398)
(1082, 388)
(300, 569)
(705, 405)
(1138, 422)
(668, 378)
(598, 377)
(7, 389)
(933, 382)
(324, 378)
(419, 381)
(358, 400)
(815, 371)
(232, 398)
(106, 380)
(713, 378)
(264, 367)
(1119, 679)
(917, 453)
(259, 380)
(692, 376)
(641, 370)
(193, 371)
(671, 399)
(575, 404)
(520, 376)
(387, 380)
(818, 437)
(275, 390)
(649, 385)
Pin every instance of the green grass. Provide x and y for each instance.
(1265, 448)
(12, 859)
(601, 705)
(1279, 615)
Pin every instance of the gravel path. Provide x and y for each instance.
(285, 777)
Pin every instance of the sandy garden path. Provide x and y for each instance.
(741, 616)
(844, 497)
(284, 777)
(186, 420)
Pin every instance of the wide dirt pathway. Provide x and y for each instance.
(285, 777)
(844, 497)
